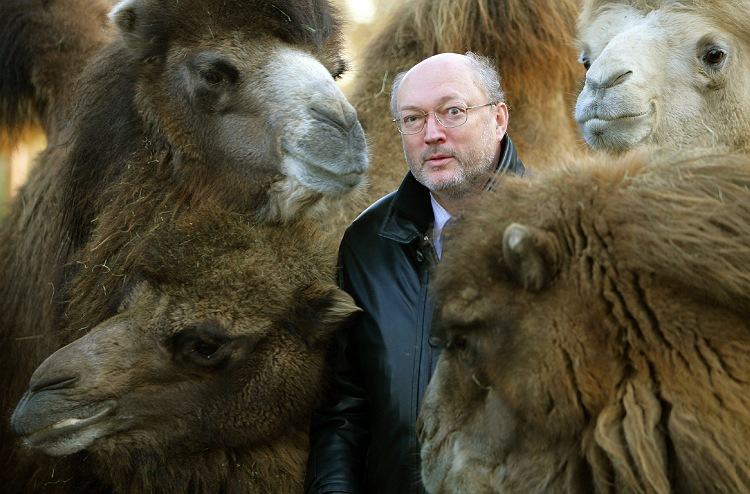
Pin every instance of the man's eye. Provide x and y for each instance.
(454, 111)
(410, 119)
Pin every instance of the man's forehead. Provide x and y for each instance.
(436, 83)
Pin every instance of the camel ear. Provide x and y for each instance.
(532, 255)
(125, 16)
(138, 27)
(341, 308)
(322, 309)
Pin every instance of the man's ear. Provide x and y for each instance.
(139, 27)
(531, 255)
(501, 119)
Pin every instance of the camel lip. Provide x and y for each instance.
(344, 178)
(65, 427)
(352, 178)
(604, 119)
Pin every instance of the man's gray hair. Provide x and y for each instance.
(484, 71)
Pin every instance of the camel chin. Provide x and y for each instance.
(64, 428)
(621, 130)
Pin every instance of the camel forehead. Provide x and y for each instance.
(240, 309)
(668, 26)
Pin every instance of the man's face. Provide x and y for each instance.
(450, 161)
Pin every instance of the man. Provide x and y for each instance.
(450, 112)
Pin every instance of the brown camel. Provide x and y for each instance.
(170, 106)
(202, 377)
(532, 45)
(595, 324)
(665, 73)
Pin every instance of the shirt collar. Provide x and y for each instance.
(441, 218)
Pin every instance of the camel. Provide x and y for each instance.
(153, 109)
(532, 45)
(595, 334)
(204, 377)
(665, 73)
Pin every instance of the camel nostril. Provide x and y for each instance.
(607, 78)
(622, 78)
(336, 116)
(52, 383)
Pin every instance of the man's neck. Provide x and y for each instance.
(455, 205)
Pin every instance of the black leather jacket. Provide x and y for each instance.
(363, 438)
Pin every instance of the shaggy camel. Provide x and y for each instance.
(665, 72)
(203, 377)
(172, 105)
(596, 332)
(532, 45)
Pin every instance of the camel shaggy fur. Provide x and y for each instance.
(666, 73)
(171, 106)
(596, 334)
(532, 45)
(202, 377)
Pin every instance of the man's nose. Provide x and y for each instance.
(433, 131)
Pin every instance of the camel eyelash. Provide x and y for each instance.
(341, 69)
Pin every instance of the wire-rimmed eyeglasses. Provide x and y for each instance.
(413, 121)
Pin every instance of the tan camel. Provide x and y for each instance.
(665, 73)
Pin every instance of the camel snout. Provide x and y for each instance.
(607, 77)
(51, 383)
(336, 112)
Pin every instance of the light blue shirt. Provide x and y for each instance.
(441, 218)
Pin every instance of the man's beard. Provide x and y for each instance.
(473, 167)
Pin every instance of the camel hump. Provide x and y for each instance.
(44, 46)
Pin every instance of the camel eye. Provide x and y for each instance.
(206, 349)
(584, 60)
(212, 77)
(215, 69)
(340, 69)
(714, 56)
(457, 343)
(205, 345)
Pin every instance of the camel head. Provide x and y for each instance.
(666, 73)
(594, 326)
(247, 88)
(216, 345)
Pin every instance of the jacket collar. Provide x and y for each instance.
(410, 213)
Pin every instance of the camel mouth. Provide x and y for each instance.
(71, 434)
(617, 132)
(606, 119)
(324, 179)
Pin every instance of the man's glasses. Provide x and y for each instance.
(413, 121)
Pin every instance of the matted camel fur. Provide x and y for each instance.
(204, 368)
(151, 112)
(596, 325)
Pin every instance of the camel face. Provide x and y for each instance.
(667, 76)
(594, 325)
(495, 410)
(246, 99)
(226, 357)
